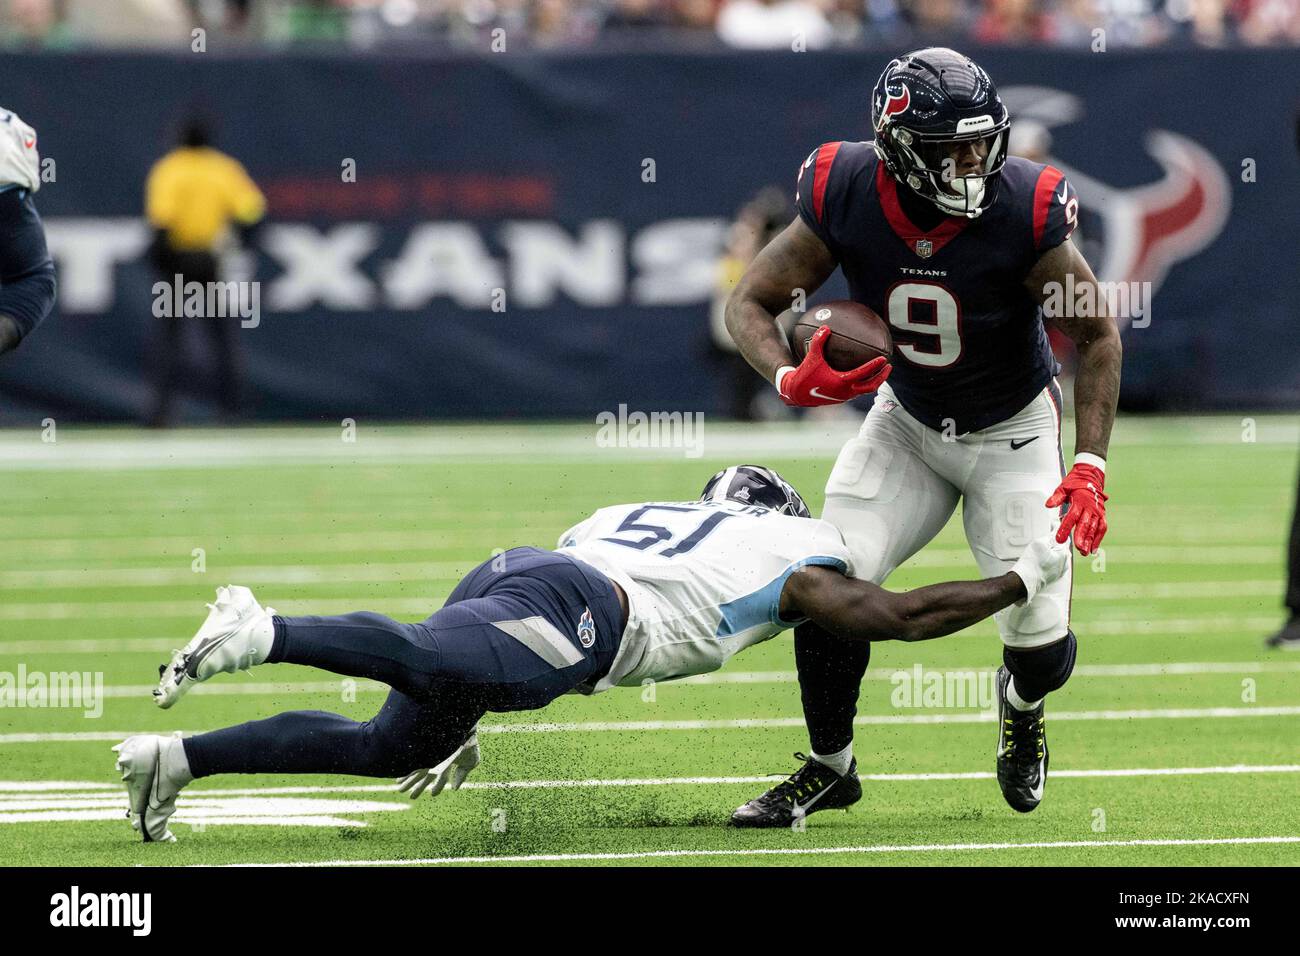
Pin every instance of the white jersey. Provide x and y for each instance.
(703, 579)
(20, 164)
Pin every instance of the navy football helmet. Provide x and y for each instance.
(925, 106)
(756, 485)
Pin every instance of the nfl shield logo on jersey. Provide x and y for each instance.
(586, 629)
(924, 248)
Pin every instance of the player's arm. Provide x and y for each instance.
(796, 260)
(1096, 336)
(27, 282)
(1096, 389)
(861, 611)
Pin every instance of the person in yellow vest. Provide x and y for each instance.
(195, 198)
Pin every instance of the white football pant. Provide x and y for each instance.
(897, 483)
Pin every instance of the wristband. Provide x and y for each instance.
(781, 373)
(1087, 458)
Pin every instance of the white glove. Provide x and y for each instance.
(452, 771)
(1043, 562)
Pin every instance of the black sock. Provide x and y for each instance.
(1040, 671)
(830, 674)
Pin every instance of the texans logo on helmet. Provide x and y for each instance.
(895, 104)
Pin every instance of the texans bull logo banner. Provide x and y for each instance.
(554, 228)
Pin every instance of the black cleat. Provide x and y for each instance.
(812, 787)
(1022, 750)
(1287, 639)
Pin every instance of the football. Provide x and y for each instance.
(857, 334)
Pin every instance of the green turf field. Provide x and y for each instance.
(1176, 742)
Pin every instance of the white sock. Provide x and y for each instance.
(260, 639)
(839, 762)
(1018, 702)
(175, 765)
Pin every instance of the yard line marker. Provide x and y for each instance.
(186, 449)
(395, 572)
(14, 792)
(955, 717)
(238, 688)
(793, 851)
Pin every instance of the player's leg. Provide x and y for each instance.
(1017, 467)
(239, 634)
(513, 622)
(1288, 638)
(542, 626)
(887, 502)
(406, 735)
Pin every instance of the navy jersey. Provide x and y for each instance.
(969, 342)
(27, 282)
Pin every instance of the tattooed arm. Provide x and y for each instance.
(1096, 389)
(795, 261)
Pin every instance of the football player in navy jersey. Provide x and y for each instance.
(27, 281)
(960, 250)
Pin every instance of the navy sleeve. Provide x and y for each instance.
(812, 189)
(27, 283)
(1056, 209)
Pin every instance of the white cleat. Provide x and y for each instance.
(152, 794)
(223, 645)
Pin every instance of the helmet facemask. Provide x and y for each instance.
(925, 163)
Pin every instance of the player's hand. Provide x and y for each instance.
(451, 771)
(1086, 517)
(814, 382)
(1043, 563)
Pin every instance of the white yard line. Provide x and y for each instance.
(796, 851)
(956, 717)
(960, 717)
(15, 790)
(247, 575)
(97, 449)
(237, 687)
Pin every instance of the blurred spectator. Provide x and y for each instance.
(937, 19)
(192, 197)
(1012, 21)
(759, 24)
(773, 24)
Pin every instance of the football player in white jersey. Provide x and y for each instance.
(648, 591)
(27, 285)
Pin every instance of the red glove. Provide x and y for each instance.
(1082, 488)
(816, 383)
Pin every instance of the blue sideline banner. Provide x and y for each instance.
(534, 236)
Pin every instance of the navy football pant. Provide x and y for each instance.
(517, 632)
